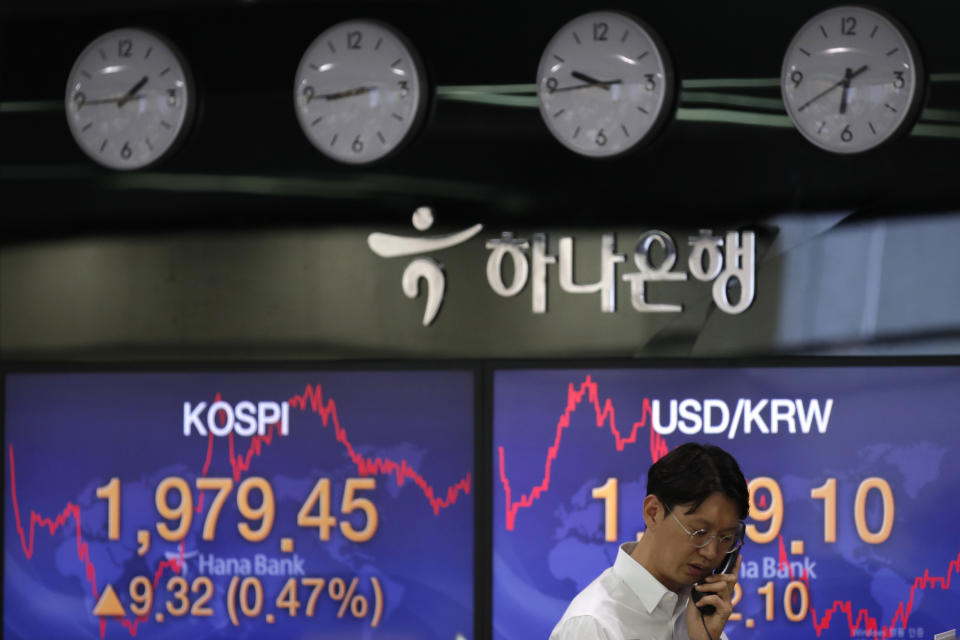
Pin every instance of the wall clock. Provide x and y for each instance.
(129, 99)
(605, 84)
(360, 92)
(852, 79)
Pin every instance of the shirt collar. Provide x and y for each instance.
(647, 588)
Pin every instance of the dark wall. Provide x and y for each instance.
(247, 166)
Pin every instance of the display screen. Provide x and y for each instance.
(330, 504)
(853, 473)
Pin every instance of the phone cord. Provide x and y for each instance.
(704, 620)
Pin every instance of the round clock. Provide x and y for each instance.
(605, 84)
(852, 79)
(129, 99)
(360, 91)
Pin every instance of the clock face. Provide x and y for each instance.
(129, 99)
(605, 84)
(360, 92)
(852, 80)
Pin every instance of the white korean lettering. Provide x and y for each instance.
(647, 271)
(705, 246)
(507, 245)
(739, 264)
(540, 259)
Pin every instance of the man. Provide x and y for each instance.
(696, 501)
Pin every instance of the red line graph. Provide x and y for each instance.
(902, 614)
(83, 550)
(785, 564)
(311, 399)
(605, 416)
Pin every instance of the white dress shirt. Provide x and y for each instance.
(625, 602)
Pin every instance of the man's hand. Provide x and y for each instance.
(718, 591)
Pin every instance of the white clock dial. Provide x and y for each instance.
(605, 84)
(129, 99)
(852, 79)
(360, 91)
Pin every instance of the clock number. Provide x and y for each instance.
(357, 145)
(600, 30)
(125, 48)
(308, 93)
(172, 97)
(899, 82)
(796, 78)
(79, 99)
(847, 26)
(404, 88)
(353, 40)
(126, 151)
(651, 82)
(846, 135)
(601, 138)
(552, 84)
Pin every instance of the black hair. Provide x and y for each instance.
(692, 472)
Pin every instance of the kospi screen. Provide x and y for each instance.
(854, 526)
(326, 504)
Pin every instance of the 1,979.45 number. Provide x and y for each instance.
(315, 511)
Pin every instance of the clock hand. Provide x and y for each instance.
(593, 82)
(846, 86)
(857, 72)
(846, 90)
(107, 100)
(345, 93)
(821, 94)
(584, 86)
(845, 79)
(133, 91)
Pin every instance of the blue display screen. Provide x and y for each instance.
(329, 504)
(853, 475)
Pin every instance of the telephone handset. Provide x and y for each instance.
(727, 566)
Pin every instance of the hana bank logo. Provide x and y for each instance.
(426, 268)
(181, 559)
(727, 260)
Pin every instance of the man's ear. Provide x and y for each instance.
(653, 510)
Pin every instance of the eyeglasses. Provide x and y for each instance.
(701, 538)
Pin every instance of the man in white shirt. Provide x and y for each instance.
(697, 499)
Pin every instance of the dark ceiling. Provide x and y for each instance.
(471, 161)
